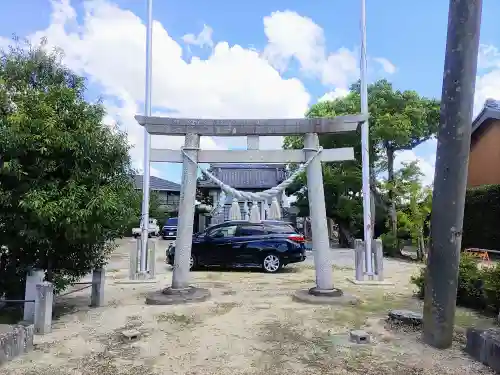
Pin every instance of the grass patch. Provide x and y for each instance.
(466, 318)
(178, 319)
(223, 308)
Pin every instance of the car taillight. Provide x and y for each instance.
(297, 238)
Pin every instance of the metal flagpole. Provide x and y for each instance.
(147, 141)
(365, 155)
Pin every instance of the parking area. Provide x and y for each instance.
(249, 326)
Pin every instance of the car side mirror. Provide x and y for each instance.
(218, 235)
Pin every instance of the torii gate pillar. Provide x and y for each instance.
(317, 212)
(183, 241)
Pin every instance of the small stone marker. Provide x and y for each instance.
(360, 337)
(131, 335)
(406, 317)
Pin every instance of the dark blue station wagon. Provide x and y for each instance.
(269, 245)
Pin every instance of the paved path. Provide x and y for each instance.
(341, 257)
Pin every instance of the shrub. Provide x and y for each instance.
(65, 178)
(491, 280)
(482, 218)
(478, 287)
(390, 244)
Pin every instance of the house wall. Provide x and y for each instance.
(484, 158)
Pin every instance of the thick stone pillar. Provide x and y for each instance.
(183, 242)
(316, 197)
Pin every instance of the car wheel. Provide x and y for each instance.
(192, 263)
(136, 236)
(271, 263)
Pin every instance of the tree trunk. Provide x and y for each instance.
(420, 249)
(424, 246)
(390, 179)
(345, 237)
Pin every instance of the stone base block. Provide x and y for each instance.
(407, 317)
(359, 337)
(169, 296)
(324, 297)
(370, 282)
(484, 346)
(15, 340)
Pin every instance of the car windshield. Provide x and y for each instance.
(172, 221)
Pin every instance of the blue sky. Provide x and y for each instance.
(201, 75)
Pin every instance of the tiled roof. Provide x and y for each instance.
(156, 183)
(490, 111)
(247, 166)
(247, 176)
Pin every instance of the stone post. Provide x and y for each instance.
(97, 293)
(316, 194)
(33, 278)
(180, 277)
(152, 259)
(43, 307)
(133, 260)
(359, 251)
(378, 251)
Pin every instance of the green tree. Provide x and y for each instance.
(399, 120)
(413, 206)
(65, 179)
(155, 210)
(342, 180)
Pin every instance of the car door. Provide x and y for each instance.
(247, 243)
(219, 245)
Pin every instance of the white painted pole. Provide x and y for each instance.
(317, 209)
(365, 153)
(147, 141)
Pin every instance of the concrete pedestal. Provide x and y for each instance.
(317, 296)
(170, 296)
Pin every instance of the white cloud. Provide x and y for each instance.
(108, 46)
(335, 94)
(4, 42)
(488, 57)
(292, 36)
(387, 66)
(427, 165)
(488, 79)
(204, 38)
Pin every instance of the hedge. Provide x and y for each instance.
(481, 226)
(478, 287)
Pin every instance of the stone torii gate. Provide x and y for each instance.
(180, 290)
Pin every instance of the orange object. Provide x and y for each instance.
(480, 253)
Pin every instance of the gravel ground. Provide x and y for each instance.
(250, 326)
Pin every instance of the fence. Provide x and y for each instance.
(39, 298)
